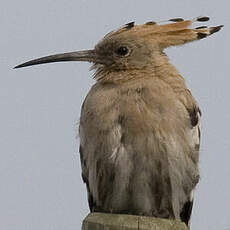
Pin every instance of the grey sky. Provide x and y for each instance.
(41, 186)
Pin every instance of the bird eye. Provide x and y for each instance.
(122, 51)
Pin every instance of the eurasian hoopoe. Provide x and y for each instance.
(140, 125)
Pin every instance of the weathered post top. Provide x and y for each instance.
(104, 221)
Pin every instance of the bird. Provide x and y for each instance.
(139, 126)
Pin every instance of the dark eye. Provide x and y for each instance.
(122, 51)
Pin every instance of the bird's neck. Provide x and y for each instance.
(160, 67)
(165, 71)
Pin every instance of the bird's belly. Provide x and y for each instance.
(136, 164)
(140, 185)
(131, 174)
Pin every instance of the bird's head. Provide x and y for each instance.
(134, 46)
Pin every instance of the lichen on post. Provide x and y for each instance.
(104, 221)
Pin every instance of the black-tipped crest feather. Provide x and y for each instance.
(202, 19)
(176, 20)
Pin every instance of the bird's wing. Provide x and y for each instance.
(195, 134)
(99, 138)
(84, 174)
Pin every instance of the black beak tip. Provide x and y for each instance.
(26, 64)
(19, 66)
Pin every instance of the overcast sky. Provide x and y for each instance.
(41, 186)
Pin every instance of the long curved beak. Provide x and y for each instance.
(85, 55)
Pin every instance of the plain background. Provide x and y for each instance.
(40, 176)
